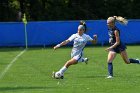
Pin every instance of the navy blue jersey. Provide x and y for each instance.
(112, 40)
(111, 33)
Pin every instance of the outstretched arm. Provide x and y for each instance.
(94, 41)
(61, 44)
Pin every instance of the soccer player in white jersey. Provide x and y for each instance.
(80, 39)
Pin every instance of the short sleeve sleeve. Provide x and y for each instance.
(89, 38)
(71, 38)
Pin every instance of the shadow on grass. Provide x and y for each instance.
(23, 88)
(97, 76)
(6, 49)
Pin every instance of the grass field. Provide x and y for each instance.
(30, 72)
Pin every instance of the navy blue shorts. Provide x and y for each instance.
(119, 48)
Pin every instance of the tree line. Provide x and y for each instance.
(46, 10)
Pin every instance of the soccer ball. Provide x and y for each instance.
(58, 75)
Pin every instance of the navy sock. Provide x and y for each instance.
(110, 69)
(133, 61)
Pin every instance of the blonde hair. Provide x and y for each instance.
(119, 19)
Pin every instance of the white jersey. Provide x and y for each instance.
(78, 45)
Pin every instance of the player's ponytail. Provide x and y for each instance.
(121, 20)
(84, 24)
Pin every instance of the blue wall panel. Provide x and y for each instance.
(54, 32)
(11, 34)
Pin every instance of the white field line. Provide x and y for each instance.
(10, 64)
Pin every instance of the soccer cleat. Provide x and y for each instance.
(86, 60)
(138, 60)
(62, 77)
(109, 77)
(53, 76)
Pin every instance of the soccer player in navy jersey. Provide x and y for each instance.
(116, 45)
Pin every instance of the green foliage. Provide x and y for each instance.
(43, 10)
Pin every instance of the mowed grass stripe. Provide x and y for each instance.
(10, 64)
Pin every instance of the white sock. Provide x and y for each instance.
(63, 69)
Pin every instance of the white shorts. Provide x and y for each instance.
(78, 57)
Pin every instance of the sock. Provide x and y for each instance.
(134, 61)
(110, 69)
(63, 69)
